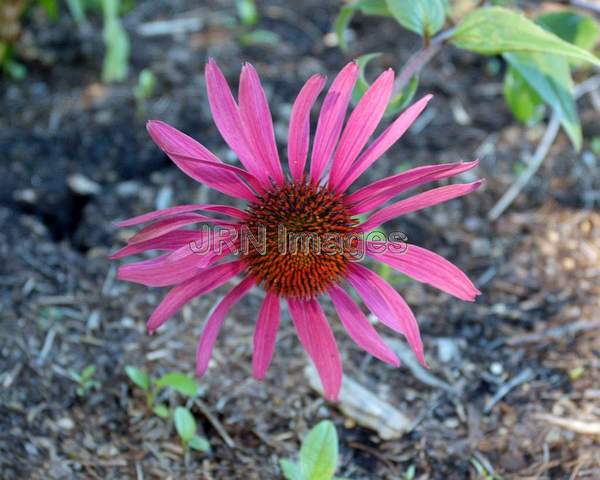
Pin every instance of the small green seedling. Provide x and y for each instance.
(184, 421)
(177, 381)
(185, 424)
(145, 86)
(85, 380)
(318, 456)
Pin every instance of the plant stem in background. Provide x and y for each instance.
(416, 63)
(540, 153)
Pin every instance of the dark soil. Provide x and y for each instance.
(62, 309)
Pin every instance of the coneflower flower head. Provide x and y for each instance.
(310, 204)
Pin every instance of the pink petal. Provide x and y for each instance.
(360, 126)
(218, 176)
(214, 322)
(170, 268)
(331, 119)
(165, 225)
(418, 202)
(378, 193)
(299, 128)
(425, 266)
(227, 118)
(197, 161)
(204, 282)
(265, 335)
(387, 305)
(257, 122)
(359, 328)
(382, 143)
(317, 339)
(167, 212)
(168, 241)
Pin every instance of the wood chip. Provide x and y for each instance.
(366, 409)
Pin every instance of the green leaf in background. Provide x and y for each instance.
(366, 7)
(319, 452)
(398, 102)
(247, 12)
(572, 27)
(495, 30)
(51, 8)
(180, 382)
(87, 373)
(259, 37)
(199, 443)
(145, 85)
(185, 424)
(290, 470)
(161, 410)
(139, 377)
(77, 10)
(361, 84)
(550, 77)
(524, 102)
(116, 42)
(424, 17)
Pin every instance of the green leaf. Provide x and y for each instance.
(247, 12)
(139, 377)
(580, 30)
(550, 77)
(319, 452)
(523, 101)
(400, 101)
(290, 470)
(366, 7)
(87, 373)
(77, 9)
(199, 443)
(51, 8)
(116, 42)
(424, 17)
(259, 37)
(145, 85)
(361, 84)
(185, 424)
(161, 410)
(495, 30)
(180, 382)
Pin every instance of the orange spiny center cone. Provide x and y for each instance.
(298, 239)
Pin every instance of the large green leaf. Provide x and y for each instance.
(424, 17)
(550, 77)
(319, 452)
(495, 30)
(572, 27)
(367, 7)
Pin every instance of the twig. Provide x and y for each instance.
(555, 333)
(540, 153)
(215, 423)
(534, 164)
(578, 426)
(505, 389)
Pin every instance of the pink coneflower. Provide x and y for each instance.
(312, 200)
